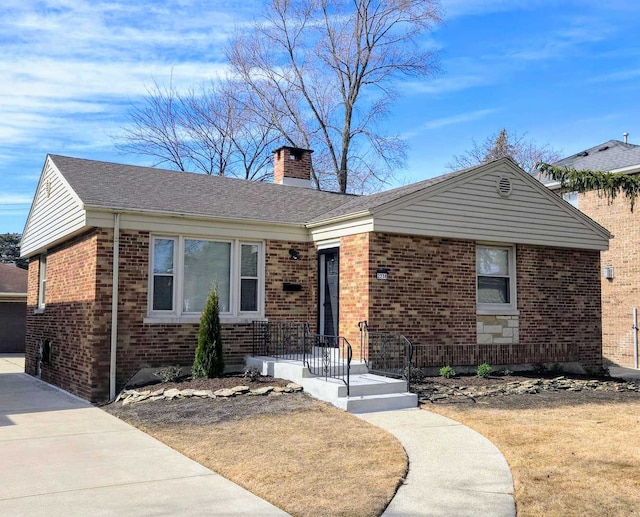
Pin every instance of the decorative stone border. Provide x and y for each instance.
(439, 392)
(133, 396)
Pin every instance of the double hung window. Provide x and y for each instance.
(42, 282)
(495, 271)
(184, 269)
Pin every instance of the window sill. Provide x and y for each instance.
(507, 311)
(191, 320)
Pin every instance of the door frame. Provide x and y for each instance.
(322, 285)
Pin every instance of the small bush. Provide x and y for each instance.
(557, 369)
(252, 373)
(484, 370)
(447, 372)
(169, 373)
(417, 374)
(209, 361)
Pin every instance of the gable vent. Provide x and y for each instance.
(503, 186)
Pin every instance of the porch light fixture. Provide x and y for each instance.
(294, 254)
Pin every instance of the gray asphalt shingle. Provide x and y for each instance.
(129, 187)
(608, 156)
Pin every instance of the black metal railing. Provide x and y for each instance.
(385, 353)
(325, 356)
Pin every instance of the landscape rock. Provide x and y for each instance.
(261, 391)
(224, 393)
(435, 392)
(241, 389)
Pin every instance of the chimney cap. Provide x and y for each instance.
(292, 148)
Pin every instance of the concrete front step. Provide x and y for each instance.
(367, 392)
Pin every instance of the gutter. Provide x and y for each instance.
(13, 297)
(114, 306)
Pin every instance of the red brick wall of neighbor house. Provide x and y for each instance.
(354, 287)
(622, 294)
(559, 303)
(69, 318)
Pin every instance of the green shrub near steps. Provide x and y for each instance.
(209, 361)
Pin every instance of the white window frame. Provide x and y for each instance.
(177, 315)
(42, 281)
(510, 308)
(572, 198)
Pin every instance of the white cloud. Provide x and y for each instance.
(438, 123)
(15, 199)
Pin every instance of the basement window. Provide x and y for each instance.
(496, 279)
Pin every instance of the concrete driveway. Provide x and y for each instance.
(60, 456)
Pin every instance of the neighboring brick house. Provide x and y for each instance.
(13, 308)
(483, 262)
(621, 283)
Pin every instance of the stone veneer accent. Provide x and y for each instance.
(500, 330)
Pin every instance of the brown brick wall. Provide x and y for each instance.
(77, 317)
(559, 303)
(355, 279)
(430, 298)
(68, 318)
(430, 294)
(622, 294)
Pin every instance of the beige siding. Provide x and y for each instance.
(474, 210)
(167, 224)
(56, 212)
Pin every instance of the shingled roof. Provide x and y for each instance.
(13, 279)
(128, 187)
(611, 155)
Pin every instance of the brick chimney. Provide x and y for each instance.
(292, 166)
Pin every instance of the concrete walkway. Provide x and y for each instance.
(453, 471)
(628, 374)
(59, 456)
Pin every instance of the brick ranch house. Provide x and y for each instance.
(620, 276)
(480, 264)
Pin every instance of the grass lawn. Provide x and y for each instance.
(306, 457)
(571, 454)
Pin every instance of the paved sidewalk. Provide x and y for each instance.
(60, 456)
(628, 374)
(453, 471)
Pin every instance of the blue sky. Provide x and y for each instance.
(563, 72)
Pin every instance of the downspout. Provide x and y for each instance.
(635, 337)
(114, 306)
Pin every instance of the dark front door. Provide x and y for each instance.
(328, 299)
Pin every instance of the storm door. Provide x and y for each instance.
(328, 262)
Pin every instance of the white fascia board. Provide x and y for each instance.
(332, 232)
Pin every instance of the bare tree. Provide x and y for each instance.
(525, 152)
(209, 131)
(323, 73)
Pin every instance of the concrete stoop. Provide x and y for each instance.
(368, 392)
